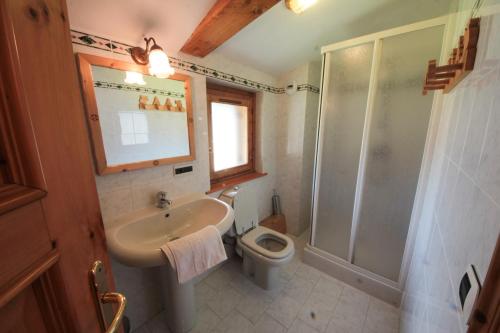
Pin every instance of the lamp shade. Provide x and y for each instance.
(298, 6)
(159, 64)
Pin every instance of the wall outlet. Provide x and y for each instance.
(182, 170)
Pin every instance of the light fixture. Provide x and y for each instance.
(134, 78)
(157, 59)
(298, 6)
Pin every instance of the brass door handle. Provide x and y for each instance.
(105, 299)
(119, 299)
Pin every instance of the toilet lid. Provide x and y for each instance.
(245, 210)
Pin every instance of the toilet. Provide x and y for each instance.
(263, 250)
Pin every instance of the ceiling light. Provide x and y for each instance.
(298, 6)
(134, 78)
(159, 65)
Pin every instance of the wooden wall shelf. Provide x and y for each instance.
(460, 64)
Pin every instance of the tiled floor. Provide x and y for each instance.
(308, 301)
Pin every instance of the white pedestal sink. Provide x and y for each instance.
(135, 239)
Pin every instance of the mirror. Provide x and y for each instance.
(136, 120)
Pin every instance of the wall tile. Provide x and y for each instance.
(466, 217)
(445, 201)
(489, 165)
(452, 104)
(477, 128)
(464, 109)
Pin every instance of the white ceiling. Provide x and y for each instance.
(280, 40)
(171, 22)
(276, 42)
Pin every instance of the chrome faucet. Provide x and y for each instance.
(161, 200)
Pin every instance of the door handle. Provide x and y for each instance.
(115, 298)
(110, 321)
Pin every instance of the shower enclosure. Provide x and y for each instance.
(371, 136)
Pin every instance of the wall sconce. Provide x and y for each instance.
(157, 59)
(298, 6)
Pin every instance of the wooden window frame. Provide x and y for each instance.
(226, 95)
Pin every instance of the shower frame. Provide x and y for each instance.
(345, 270)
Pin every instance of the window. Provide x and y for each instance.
(231, 133)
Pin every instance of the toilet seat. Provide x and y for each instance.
(251, 238)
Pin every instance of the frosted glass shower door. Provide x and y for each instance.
(397, 133)
(344, 107)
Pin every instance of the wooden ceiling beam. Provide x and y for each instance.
(223, 21)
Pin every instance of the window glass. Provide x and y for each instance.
(134, 128)
(229, 135)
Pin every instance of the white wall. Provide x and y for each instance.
(460, 221)
(297, 116)
(309, 146)
(125, 192)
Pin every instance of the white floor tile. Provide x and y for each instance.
(329, 286)
(299, 289)
(284, 309)
(342, 326)
(352, 307)
(234, 323)
(224, 302)
(268, 324)
(252, 307)
(301, 327)
(317, 311)
(308, 273)
(381, 317)
(206, 320)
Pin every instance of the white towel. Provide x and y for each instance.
(196, 253)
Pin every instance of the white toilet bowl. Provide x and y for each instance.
(263, 250)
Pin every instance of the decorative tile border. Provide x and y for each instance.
(89, 40)
(130, 87)
(308, 87)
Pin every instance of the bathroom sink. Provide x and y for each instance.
(135, 239)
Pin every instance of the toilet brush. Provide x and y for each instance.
(276, 203)
(276, 221)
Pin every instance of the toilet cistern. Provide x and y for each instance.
(161, 200)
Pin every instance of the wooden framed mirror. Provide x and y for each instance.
(136, 120)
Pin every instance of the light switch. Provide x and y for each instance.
(468, 291)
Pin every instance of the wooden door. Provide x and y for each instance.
(51, 230)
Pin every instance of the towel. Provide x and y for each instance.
(196, 253)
